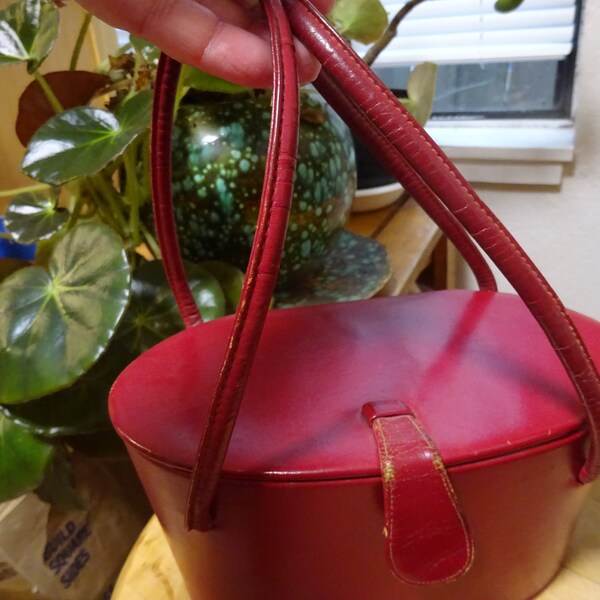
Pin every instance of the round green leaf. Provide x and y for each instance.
(62, 413)
(55, 323)
(23, 460)
(409, 104)
(199, 80)
(507, 5)
(71, 88)
(421, 90)
(153, 316)
(33, 217)
(360, 20)
(231, 280)
(28, 31)
(83, 140)
(82, 408)
(46, 35)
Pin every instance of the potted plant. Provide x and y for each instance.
(223, 131)
(92, 296)
(68, 323)
(220, 144)
(89, 297)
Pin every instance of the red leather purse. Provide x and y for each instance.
(427, 447)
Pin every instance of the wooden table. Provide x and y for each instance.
(150, 572)
(410, 238)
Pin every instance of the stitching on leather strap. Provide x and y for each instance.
(439, 466)
(163, 103)
(389, 479)
(227, 395)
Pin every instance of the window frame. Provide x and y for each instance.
(564, 88)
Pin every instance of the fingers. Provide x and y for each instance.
(222, 37)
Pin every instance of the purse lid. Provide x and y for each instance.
(474, 367)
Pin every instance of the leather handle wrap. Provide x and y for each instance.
(264, 261)
(167, 76)
(407, 139)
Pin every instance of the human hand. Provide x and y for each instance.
(226, 38)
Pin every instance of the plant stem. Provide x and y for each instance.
(87, 19)
(391, 31)
(76, 212)
(182, 90)
(29, 189)
(132, 192)
(80, 199)
(108, 193)
(146, 166)
(101, 207)
(150, 241)
(49, 93)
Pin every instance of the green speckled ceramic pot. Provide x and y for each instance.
(219, 153)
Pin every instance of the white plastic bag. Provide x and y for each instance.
(75, 555)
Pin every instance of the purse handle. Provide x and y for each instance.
(400, 143)
(265, 258)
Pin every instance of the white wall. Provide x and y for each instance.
(559, 227)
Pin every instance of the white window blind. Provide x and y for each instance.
(472, 31)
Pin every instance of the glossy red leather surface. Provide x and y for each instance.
(302, 498)
(458, 359)
(324, 540)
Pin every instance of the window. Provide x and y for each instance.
(491, 65)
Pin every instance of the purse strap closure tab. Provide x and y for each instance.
(427, 538)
